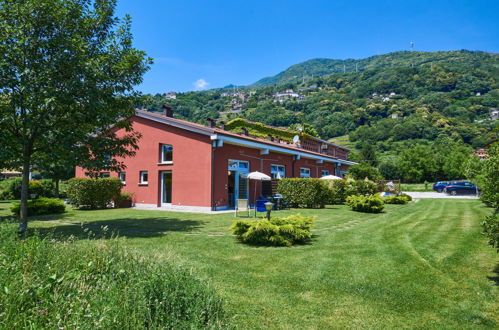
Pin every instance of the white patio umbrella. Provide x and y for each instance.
(258, 176)
(331, 177)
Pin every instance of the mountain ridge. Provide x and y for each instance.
(318, 67)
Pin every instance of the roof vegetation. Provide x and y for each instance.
(263, 131)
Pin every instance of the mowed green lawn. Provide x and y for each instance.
(416, 187)
(421, 265)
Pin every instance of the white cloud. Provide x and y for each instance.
(201, 84)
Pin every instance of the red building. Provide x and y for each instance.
(184, 165)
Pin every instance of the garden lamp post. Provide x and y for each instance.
(268, 207)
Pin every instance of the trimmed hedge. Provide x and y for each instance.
(304, 193)
(341, 189)
(367, 204)
(41, 206)
(278, 231)
(93, 193)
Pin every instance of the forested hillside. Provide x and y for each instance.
(324, 66)
(432, 101)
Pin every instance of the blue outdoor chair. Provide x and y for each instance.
(260, 206)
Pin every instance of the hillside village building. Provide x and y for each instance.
(184, 165)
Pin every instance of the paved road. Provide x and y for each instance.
(438, 195)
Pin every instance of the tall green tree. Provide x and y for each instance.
(417, 164)
(368, 154)
(67, 76)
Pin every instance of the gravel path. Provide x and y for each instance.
(438, 195)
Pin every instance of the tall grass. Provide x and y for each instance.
(50, 283)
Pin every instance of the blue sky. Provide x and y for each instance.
(207, 44)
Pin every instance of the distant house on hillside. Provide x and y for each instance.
(481, 153)
(7, 174)
(171, 96)
(287, 95)
(493, 115)
(308, 87)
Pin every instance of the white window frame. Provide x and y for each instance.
(122, 176)
(162, 154)
(325, 172)
(301, 174)
(283, 172)
(143, 182)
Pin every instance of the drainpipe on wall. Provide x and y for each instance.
(213, 203)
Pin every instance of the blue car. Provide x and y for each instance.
(462, 188)
(440, 185)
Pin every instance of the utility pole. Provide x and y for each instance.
(344, 68)
(356, 67)
(412, 49)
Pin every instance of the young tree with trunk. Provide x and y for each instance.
(67, 76)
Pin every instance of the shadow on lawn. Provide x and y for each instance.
(495, 278)
(124, 227)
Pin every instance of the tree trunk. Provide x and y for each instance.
(23, 217)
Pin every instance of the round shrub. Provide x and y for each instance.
(304, 193)
(367, 204)
(97, 284)
(278, 231)
(406, 197)
(93, 193)
(395, 200)
(41, 206)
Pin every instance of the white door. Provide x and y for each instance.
(166, 188)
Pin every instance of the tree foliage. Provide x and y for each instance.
(67, 73)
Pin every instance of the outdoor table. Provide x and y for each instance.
(277, 204)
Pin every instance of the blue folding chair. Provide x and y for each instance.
(260, 206)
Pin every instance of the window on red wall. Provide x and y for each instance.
(166, 153)
(122, 176)
(143, 178)
(277, 171)
(304, 172)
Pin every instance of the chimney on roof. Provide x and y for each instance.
(222, 125)
(211, 122)
(167, 111)
(245, 131)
